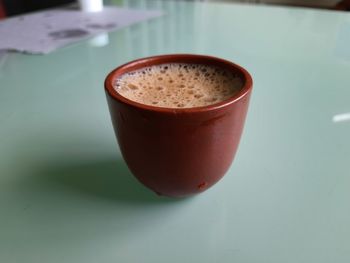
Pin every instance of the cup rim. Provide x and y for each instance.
(177, 58)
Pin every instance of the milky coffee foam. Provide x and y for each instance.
(178, 85)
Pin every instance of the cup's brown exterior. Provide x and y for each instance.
(178, 152)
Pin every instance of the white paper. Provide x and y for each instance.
(43, 32)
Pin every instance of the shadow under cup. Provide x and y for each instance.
(178, 151)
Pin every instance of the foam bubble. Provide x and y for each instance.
(178, 85)
(132, 86)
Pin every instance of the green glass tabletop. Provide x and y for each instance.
(67, 196)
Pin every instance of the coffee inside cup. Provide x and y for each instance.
(178, 85)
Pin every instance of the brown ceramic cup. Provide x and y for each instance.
(178, 152)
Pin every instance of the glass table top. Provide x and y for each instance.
(67, 196)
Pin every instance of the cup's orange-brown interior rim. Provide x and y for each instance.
(179, 58)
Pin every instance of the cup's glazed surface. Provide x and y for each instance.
(178, 152)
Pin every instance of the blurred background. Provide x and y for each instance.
(14, 7)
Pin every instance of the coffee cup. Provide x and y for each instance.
(178, 151)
